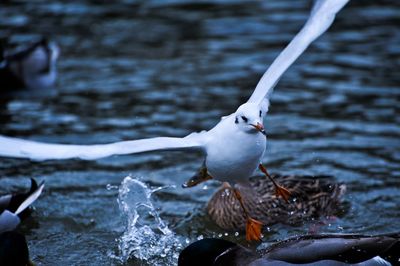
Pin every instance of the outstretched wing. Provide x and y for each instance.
(321, 17)
(19, 148)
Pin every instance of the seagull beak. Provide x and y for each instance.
(260, 128)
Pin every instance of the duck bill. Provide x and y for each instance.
(260, 128)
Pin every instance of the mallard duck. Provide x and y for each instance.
(340, 249)
(14, 207)
(32, 67)
(310, 197)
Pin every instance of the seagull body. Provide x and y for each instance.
(224, 145)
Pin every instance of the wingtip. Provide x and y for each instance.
(42, 183)
(33, 196)
(35, 186)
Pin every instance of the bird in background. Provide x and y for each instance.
(31, 66)
(14, 207)
(14, 249)
(233, 149)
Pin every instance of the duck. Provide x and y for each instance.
(32, 66)
(14, 207)
(311, 197)
(14, 249)
(323, 249)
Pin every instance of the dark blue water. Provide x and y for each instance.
(136, 69)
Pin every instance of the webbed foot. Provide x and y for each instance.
(279, 190)
(253, 229)
(282, 192)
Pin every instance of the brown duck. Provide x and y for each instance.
(310, 197)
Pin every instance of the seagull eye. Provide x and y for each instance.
(244, 118)
(260, 113)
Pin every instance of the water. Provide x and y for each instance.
(134, 69)
(158, 245)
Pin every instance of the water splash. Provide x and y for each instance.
(146, 237)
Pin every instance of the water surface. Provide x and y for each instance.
(136, 69)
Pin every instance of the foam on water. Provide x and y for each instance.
(146, 236)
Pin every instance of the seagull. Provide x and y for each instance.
(233, 149)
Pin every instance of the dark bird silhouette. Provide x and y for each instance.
(31, 67)
(13, 249)
(14, 207)
(338, 250)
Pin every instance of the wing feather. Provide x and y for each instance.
(321, 17)
(29, 200)
(20, 148)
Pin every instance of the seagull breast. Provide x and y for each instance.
(232, 154)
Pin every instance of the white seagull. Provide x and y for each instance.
(233, 149)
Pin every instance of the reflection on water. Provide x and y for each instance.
(134, 69)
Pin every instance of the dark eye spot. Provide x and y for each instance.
(260, 113)
(244, 118)
(236, 120)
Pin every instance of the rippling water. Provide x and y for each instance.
(136, 69)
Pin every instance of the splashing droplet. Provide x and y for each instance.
(110, 187)
(146, 237)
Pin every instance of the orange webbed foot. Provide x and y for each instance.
(282, 192)
(253, 230)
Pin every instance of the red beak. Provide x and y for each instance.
(260, 128)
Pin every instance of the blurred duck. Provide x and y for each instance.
(14, 207)
(315, 250)
(14, 249)
(32, 67)
(311, 197)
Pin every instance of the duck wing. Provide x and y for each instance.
(32, 195)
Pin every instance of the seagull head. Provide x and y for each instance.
(249, 118)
